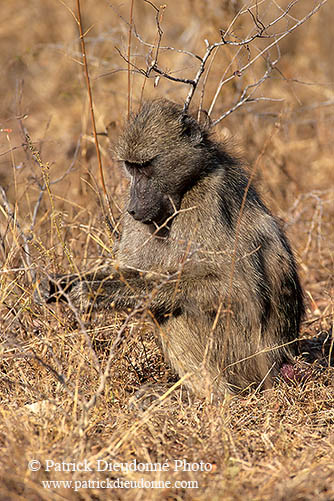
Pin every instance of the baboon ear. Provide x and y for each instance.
(191, 129)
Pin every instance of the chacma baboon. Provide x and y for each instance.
(201, 252)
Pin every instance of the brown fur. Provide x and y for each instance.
(178, 250)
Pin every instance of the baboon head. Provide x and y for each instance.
(161, 150)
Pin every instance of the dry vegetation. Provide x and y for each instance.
(277, 445)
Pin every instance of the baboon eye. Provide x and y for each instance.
(144, 167)
(146, 164)
(137, 165)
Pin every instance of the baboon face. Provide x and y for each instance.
(158, 150)
(147, 203)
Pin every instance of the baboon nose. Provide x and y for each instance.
(135, 214)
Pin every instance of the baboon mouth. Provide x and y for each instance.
(155, 222)
(158, 228)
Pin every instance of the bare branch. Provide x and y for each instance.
(265, 50)
(261, 32)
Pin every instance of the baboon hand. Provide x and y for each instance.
(53, 288)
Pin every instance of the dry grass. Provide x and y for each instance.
(277, 445)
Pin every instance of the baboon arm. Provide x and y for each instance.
(116, 290)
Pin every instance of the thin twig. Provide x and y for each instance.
(129, 57)
(90, 96)
(26, 258)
